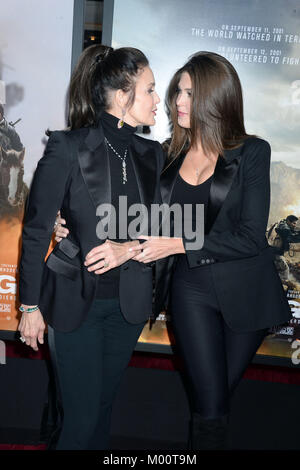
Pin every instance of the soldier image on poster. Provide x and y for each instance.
(283, 237)
(9, 139)
(12, 188)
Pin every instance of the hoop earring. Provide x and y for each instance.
(121, 121)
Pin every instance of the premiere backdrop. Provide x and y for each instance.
(35, 66)
(262, 41)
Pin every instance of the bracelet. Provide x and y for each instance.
(28, 310)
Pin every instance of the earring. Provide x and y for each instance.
(121, 121)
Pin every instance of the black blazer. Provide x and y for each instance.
(74, 175)
(247, 284)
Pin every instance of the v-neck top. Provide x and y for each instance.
(186, 193)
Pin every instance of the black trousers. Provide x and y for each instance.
(215, 356)
(89, 362)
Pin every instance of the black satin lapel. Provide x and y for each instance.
(145, 171)
(222, 179)
(95, 170)
(168, 178)
(94, 164)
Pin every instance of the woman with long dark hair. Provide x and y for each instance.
(226, 295)
(93, 321)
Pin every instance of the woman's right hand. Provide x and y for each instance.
(31, 328)
(60, 231)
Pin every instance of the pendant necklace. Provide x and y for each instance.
(124, 169)
(197, 171)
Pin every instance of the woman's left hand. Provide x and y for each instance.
(60, 231)
(110, 255)
(155, 248)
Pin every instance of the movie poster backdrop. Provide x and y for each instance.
(35, 67)
(262, 41)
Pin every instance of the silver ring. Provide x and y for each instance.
(22, 339)
(106, 265)
(55, 224)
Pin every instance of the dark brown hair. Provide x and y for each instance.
(99, 70)
(217, 117)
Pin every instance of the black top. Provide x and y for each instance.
(185, 193)
(108, 283)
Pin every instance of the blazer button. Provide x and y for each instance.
(212, 260)
(203, 261)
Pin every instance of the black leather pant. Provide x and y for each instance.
(215, 356)
(89, 363)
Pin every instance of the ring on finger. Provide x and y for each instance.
(106, 264)
(22, 339)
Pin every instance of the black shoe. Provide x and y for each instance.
(208, 434)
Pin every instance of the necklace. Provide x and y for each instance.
(124, 172)
(195, 168)
(197, 171)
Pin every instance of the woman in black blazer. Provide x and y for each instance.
(226, 294)
(93, 321)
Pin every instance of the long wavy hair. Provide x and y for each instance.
(217, 116)
(101, 69)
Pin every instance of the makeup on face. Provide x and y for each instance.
(183, 101)
(143, 110)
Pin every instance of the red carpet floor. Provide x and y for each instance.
(157, 361)
(20, 447)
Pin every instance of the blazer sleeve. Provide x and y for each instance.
(248, 237)
(44, 200)
(161, 160)
(162, 156)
